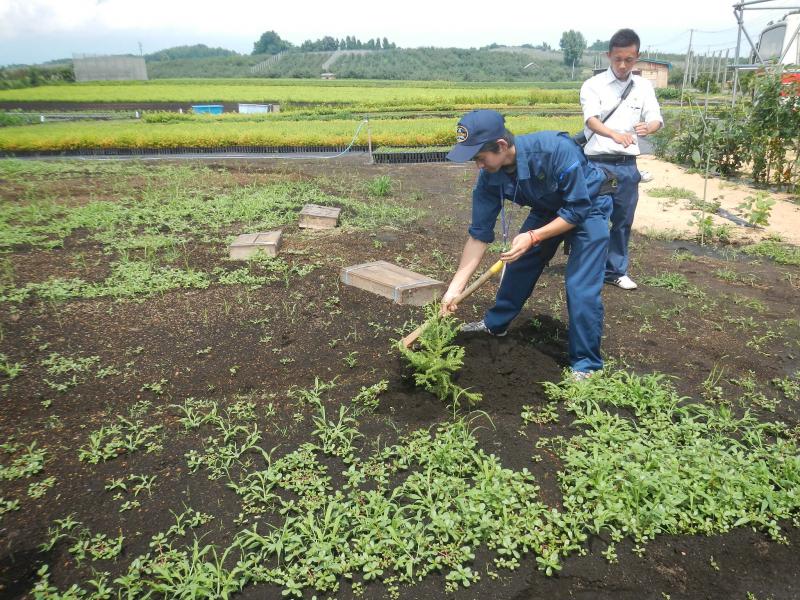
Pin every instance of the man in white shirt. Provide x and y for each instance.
(613, 144)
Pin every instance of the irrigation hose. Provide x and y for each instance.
(304, 157)
(342, 153)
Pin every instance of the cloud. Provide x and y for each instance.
(21, 18)
(31, 26)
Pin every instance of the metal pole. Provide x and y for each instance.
(686, 65)
(723, 71)
(741, 5)
(738, 12)
(708, 165)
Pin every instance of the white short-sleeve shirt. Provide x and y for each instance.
(599, 94)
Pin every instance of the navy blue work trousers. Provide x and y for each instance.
(626, 198)
(583, 281)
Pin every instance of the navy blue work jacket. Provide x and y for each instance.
(553, 177)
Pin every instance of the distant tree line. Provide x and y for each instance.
(271, 43)
(599, 45)
(196, 51)
(329, 43)
(543, 46)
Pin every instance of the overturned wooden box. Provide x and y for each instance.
(314, 216)
(390, 281)
(247, 244)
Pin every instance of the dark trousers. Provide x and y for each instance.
(583, 281)
(625, 200)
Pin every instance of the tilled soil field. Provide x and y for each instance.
(133, 419)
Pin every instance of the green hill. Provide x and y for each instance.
(448, 64)
(233, 65)
(441, 64)
(184, 52)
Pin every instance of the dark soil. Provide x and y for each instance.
(207, 344)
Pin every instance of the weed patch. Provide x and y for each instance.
(784, 254)
(677, 467)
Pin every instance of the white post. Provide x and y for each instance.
(369, 143)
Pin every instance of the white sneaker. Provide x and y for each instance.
(624, 283)
(646, 176)
(581, 375)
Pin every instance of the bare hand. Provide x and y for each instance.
(642, 129)
(519, 246)
(625, 139)
(448, 307)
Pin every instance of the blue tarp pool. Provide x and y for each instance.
(209, 109)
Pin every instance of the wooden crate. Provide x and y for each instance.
(314, 216)
(390, 281)
(247, 244)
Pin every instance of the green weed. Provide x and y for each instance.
(311, 396)
(546, 414)
(671, 281)
(367, 399)
(123, 436)
(677, 468)
(7, 506)
(674, 193)
(10, 369)
(757, 209)
(665, 235)
(26, 464)
(784, 254)
(380, 187)
(38, 489)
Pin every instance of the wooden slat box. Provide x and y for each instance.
(314, 216)
(390, 281)
(247, 244)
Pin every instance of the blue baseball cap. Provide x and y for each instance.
(473, 131)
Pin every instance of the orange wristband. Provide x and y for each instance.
(535, 239)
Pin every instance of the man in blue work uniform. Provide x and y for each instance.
(547, 172)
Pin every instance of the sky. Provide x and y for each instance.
(34, 31)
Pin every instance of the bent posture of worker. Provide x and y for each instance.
(547, 172)
(614, 143)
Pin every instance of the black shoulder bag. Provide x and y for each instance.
(581, 139)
